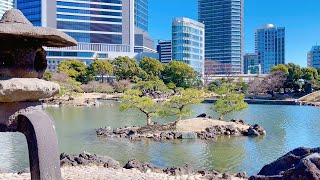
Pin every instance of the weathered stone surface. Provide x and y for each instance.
(21, 51)
(299, 164)
(25, 89)
(179, 170)
(85, 158)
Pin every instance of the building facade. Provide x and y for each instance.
(188, 43)
(251, 64)
(6, 5)
(164, 49)
(270, 46)
(141, 14)
(314, 57)
(224, 21)
(104, 29)
(143, 43)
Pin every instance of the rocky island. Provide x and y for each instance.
(196, 128)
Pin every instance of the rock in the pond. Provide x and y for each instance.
(26, 89)
(255, 130)
(203, 115)
(301, 163)
(189, 135)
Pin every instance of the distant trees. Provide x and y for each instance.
(152, 67)
(230, 100)
(100, 68)
(179, 73)
(289, 77)
(127, 68)
(74, 69)
(269, 84)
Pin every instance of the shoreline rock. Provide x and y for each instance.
(197, 128)
(301, 163)
(87, 159)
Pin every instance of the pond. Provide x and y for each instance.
(287, 127)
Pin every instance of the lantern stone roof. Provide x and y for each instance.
(14, 26)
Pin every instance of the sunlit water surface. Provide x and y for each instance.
(288, 127)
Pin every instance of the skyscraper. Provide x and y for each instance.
(270, 46)
(143, 43)
(6, 5)
(141, 14)
(188, 43)
(164, 49)
(103, 28)
(314, 57)
(223, 20)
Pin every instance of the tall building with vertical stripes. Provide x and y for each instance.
(6, 5)
(224, 21)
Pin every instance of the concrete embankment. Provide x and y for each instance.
(261, 101)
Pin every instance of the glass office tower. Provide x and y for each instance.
(188, 43)
(141, 9)
(6, 5)
(98, 21)
(314, 57)
(270, 46)
(103, 28)
(223, 20)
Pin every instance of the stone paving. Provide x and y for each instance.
(101, 173)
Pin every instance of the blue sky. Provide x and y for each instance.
(301, 18)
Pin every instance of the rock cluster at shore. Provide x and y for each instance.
(299, 164)
(170, 131)
(87, 159)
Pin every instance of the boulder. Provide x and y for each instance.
(189, 135)
(87, 159)
(301, 163)
(203, 115)
(26, 89)
(174, 171)
(252, 132)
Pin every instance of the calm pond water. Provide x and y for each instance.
(288, 127)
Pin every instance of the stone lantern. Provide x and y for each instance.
(22, 65)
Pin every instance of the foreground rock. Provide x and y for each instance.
(201, 128)
(299, 164)
(26, 89)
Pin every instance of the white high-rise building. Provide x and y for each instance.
(6, 5)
